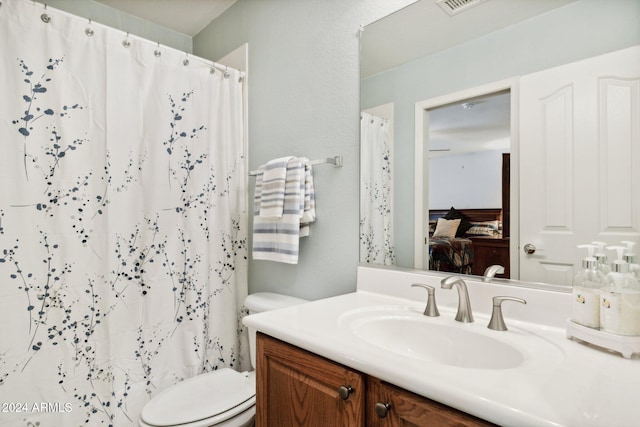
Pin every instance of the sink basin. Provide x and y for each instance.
(408, 333)
(439, 343)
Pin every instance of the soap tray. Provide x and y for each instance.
(625, 344)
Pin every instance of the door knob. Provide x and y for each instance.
(344, 391)
(529, 248)
(382, 409)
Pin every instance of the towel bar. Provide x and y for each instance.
(335, 161)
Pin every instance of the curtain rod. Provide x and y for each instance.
(336, 161)
(214, 65)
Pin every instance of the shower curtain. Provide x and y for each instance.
(376, 194)
(123, 240)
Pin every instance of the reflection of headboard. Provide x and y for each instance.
(472, 215)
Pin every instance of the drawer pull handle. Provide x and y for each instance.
(382, 409)
(344, 391)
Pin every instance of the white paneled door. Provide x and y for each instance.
(579, 162)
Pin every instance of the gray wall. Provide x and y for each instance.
(304, 101)
(114, 18)
(579, 30)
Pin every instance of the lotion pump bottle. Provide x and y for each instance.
(620, 298)
(630, 257)
(587, 286)
(601, 257)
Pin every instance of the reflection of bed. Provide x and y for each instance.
(452, 254)
(456, 254)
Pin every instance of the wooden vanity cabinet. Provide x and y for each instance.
(296, 388)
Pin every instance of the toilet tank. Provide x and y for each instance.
(266, 301)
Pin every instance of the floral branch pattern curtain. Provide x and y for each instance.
(123, 242)
(376, 196)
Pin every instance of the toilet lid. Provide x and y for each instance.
(201, 397)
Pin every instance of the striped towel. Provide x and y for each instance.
(309, 207)
(273, 185)
(278, 239)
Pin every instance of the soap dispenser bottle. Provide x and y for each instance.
(620, 298)
(601, 257)
(630, 258)
(587, 286)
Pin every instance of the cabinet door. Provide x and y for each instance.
(406, 409)
(298, 389)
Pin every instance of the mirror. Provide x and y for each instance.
(423, 55)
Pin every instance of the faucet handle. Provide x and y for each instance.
(431, 309)
(497, 321)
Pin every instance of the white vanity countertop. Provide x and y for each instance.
(577, 386)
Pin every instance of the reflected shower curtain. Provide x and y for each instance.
(122, 220)
(376, 196)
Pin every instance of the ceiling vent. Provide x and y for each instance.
(453, 7)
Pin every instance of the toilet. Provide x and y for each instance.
(220, 398)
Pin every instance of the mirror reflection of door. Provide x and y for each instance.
(582, 122)
(468, 157)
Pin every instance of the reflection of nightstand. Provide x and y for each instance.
(489, 251)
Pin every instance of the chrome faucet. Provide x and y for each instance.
(491, 272)
(464, 313)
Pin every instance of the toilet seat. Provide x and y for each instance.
(203, 400)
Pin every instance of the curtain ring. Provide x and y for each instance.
(89, 31)
(44, 17)
(226, 72)
(157, 52)
(126, 43)
(186, 60)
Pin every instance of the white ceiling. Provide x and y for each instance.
(185, 16)
(454, 129)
